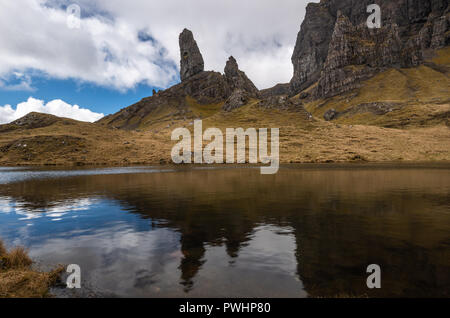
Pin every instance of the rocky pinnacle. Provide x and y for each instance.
(241, 87)
(191, 59)
(237, 79)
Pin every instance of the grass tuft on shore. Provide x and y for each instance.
(19, 280)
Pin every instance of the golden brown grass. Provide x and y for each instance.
(203, 111)
(442, 57)
(415, 93)
(17, 258)
(300, 141)
(18, 279)
(3, 250)
(420, 96)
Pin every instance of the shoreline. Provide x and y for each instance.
(398, 164)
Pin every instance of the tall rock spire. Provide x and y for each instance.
(191, 59)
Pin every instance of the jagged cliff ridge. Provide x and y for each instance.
(335, 54)
(198, 87)
(336, 49)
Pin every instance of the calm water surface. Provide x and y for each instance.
(167, 232)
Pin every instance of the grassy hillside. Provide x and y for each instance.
(70, 142)
(396, 97)
(398, 115)
(301, 140)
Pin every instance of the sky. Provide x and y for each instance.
(88, 58)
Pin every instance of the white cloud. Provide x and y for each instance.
(35, 37)
(55, 107)
(23, 84)
(106, 50)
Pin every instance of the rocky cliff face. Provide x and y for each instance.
(311, 48)
(205, 88)
(191, 59)
(277, 90)
(241, 87)
(356, 52)
(336, 48)
(237, 79)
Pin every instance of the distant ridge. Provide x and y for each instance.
(31, 121)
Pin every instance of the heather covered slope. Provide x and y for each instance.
(302, 140)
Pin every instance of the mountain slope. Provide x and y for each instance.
(43, 139)
(356, 95)
(302, 140)
(206, 88)
(397, 97)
